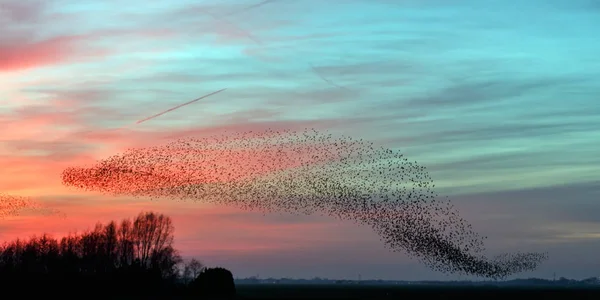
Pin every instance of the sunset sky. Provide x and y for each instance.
(499, 99)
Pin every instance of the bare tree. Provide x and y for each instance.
(151, 234)
(192, 269)
(166, 260)
(110, 245)
(110, 253)
(125, 243)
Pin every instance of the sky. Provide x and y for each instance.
(498, 99)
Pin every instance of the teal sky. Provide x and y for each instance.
(499, 99)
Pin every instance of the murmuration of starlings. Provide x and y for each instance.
(309, 172)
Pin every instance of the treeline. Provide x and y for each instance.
(132, 257)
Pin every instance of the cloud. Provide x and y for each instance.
(573, 202)
(20, 48)
(19, 11)
(19, 56)
(27, 47)
(40, 130)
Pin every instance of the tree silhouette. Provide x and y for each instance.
(134, 256)
(215, 282)
(152, 233)
(192, 269)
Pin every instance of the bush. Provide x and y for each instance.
(214, 282)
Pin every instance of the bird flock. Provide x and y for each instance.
(11, 206)
(308, 172)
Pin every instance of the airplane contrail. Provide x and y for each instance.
(240, 29)
(247, 8)
(178, 106)
(156, 115)
(325, 79)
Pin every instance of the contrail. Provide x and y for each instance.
(240, 29)
(178, 106)
(325, 79)
(156, 115)
(247, 8)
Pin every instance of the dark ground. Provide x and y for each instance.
(347, 292)
(265, 291)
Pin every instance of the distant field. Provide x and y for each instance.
(277, 291)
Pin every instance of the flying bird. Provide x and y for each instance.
(11, 206)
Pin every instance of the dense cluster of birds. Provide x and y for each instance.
(307, 172)
(11, 206)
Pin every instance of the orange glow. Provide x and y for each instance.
(35, 168)
(48, 52)
(199, 228)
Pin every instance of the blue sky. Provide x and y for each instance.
(497, 98)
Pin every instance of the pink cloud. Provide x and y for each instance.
(21, 50)
(20, 46)
(23, 54)
(35, 125)
(21, 11)
(14, 57)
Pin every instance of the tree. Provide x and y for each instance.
(132, 257)
(110, 245)
(125, 251)
(215, 282)
(192, 269)
(152, 233)
(165, 261)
